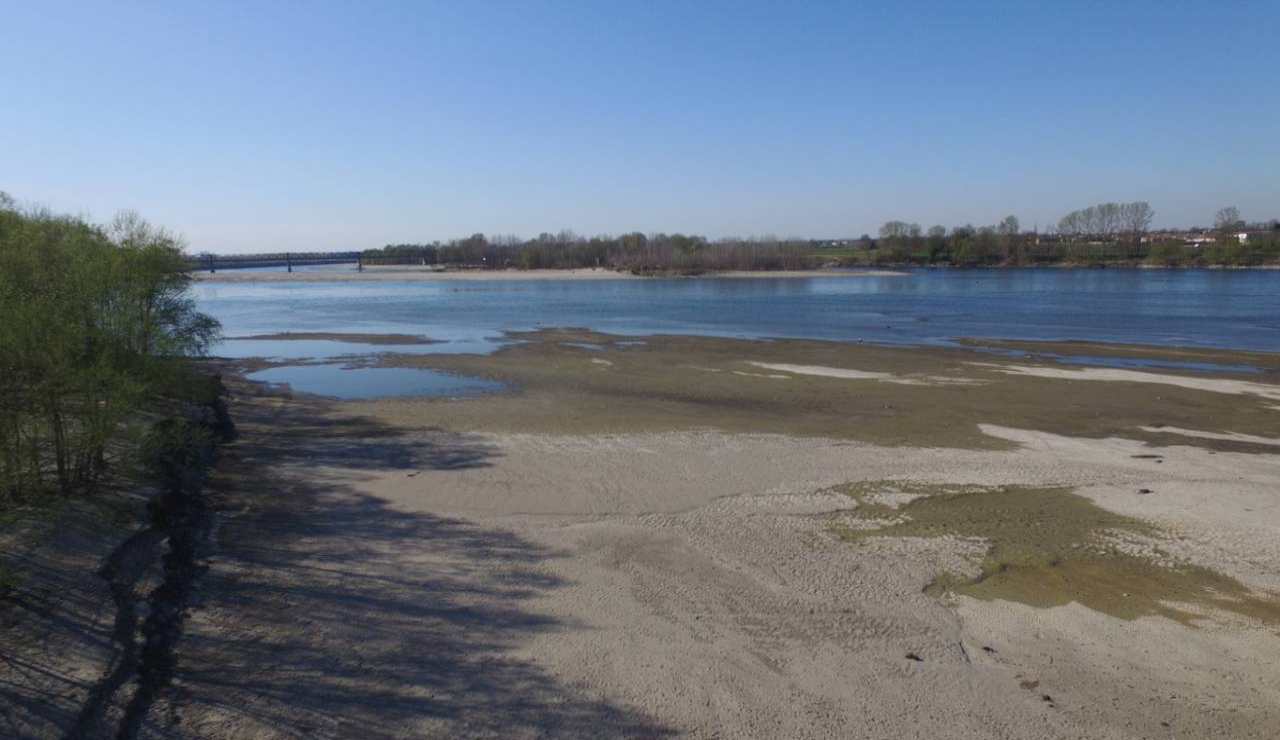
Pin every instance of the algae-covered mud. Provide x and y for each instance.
(576, 381)
(1049, 547)
(1231, 361)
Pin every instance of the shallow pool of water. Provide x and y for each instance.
(346, 382)
(322, 349)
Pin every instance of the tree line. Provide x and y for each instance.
(95, 324)
(633, 252)
(907, 243)
(1130, 220)
(1105, 233)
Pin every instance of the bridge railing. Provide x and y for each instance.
(288, 260)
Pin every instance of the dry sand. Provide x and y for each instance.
(847, 374)
(413, 273)
(1232, 436)
(381, 575)
(1213, 385)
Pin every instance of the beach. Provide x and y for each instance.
(679, 537)
(673, 536)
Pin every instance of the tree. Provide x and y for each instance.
(94, 323)
(1107, 220)
(1228, 219)
(936, 243)
(897, 230)
(1073, 224)
(1010, 244)
(1136, 217)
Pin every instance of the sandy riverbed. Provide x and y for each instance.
(510, 566)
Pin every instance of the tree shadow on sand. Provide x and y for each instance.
(326, 612)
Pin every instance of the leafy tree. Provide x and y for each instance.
(898, 230)
(94, 323)
(1228, 219)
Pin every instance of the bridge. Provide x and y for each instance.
(288, 260)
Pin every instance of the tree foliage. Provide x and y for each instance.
(94, 323)
(1228, 219)
(1108, 220)
(1106, 233)
(634, 252)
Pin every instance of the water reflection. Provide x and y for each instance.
(320, 349)
(339, 381)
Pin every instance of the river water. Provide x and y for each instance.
(1237, 309)
(1234, 309)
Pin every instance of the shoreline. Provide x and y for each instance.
(415, 273)
(418, 274)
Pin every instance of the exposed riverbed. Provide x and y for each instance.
(713, 511)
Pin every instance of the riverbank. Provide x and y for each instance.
(96, 588)
(707, 542)
(413, 273)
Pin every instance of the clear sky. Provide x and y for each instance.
(264, 126)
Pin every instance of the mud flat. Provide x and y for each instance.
(580, 382)
(704, 537)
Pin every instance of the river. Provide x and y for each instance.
(1232, 309)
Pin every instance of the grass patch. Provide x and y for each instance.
(1049, 547)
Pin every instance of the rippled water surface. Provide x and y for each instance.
(1236, 309)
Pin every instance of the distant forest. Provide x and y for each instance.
(1104, 234)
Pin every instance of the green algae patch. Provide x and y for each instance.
(1049, 547)
(1268, 362)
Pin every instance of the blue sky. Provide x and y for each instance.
(266, 126)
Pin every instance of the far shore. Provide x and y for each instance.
(416, 273)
